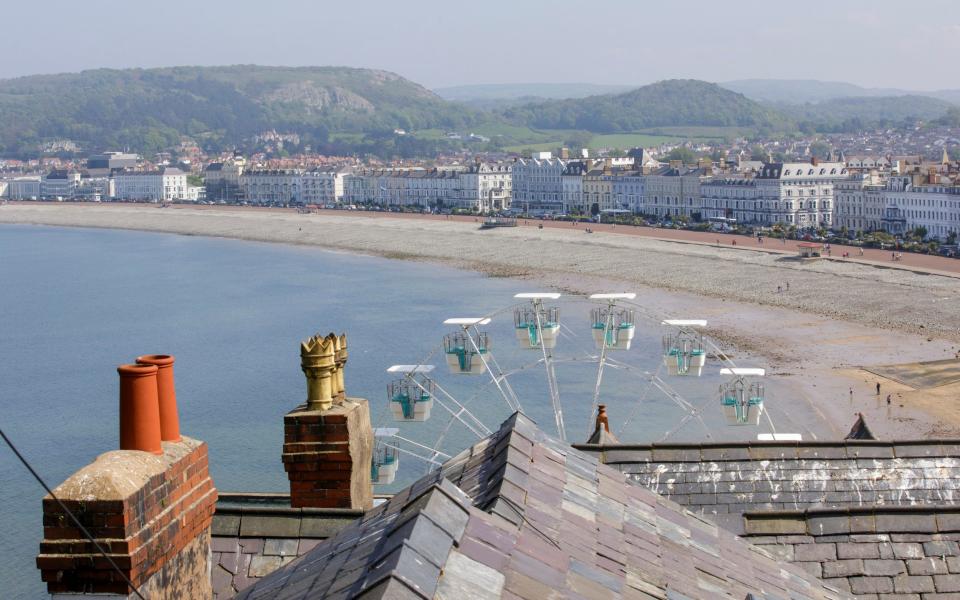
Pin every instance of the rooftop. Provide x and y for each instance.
(523, 515)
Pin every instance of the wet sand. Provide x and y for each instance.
(828, 318)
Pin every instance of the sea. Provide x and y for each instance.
(76, 303)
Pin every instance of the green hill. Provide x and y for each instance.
(856, 113)
(148, 109)
(676, 102)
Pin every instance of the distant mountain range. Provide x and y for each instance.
(340, 110)
(501, 95)
(801, 91)
(676, 102)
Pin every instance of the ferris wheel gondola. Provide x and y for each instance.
(740, 398)
(683, 350)
(465, 349)
(386, 458)
(411, 398)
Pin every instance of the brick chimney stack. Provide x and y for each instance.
(148, 505)
(328, 440)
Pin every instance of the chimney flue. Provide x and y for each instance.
(318, 361)
(139, 408)
(166, 394)
(328, 441)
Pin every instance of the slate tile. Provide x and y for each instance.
(280, 547)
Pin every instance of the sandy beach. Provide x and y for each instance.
(829, 318)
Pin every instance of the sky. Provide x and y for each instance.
(877, 43)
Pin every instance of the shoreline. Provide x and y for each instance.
(889, 297)
(837, 315)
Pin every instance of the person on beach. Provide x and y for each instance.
(788, 286)
(861, 251)
(779, 289)
(851, 395)
(878, 388)
(888, 399)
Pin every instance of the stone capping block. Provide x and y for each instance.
(838, 521)
(264, 515)
(145, 508)
(756, 450)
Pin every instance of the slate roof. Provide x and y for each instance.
(523, 515)
(860, 431)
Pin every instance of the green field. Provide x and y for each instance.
(625, 141)
(700, 133)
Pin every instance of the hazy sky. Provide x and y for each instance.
(877, 43)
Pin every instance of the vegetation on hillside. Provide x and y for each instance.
(335, 110)
(148, 110)
(663, 104)
(854, 114)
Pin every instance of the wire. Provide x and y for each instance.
(71, 515)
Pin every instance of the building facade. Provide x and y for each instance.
(673, 191)
(271, 186)
(166, 185)
(735, 198)
(538, 184)
(798, 194)
(23, 188)
(932, 207)
(486, 187)
(59, 184)
(482, 187)
(859, 202)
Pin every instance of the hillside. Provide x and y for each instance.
(148, 109)
(503, 95)
(801, 91)
(855, 113)
(676, 102)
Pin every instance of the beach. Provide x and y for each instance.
(812, 323)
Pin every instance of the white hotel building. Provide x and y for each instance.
(798, 194)
(907, 206)
(166, 185)
(482, 187)
(538, 185)
(286, 186)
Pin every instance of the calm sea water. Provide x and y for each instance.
(76, 303)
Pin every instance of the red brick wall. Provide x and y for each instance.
(142, 531)
(327, 456)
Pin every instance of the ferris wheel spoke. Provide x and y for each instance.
(551, 374)
(503, 386)
(437, 453)
(397, 447)
(478, 428)
(639, 403)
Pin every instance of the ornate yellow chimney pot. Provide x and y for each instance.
(317, 359)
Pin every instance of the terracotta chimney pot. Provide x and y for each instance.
(602, 419)
(139, 408)
(167, 395)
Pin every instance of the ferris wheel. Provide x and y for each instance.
(432, 388)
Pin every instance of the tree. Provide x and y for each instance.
(758, 153)
(819, 149)
(682, 154)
